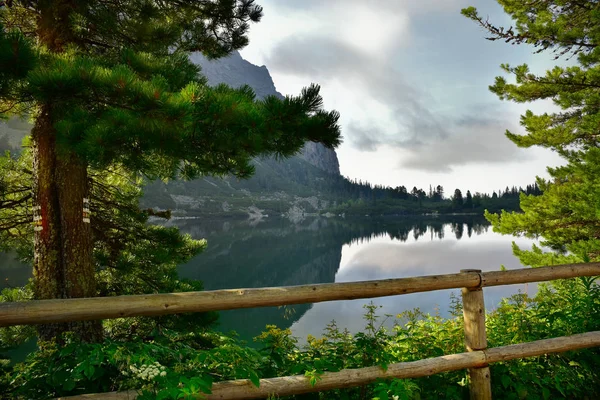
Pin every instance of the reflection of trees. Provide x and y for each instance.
(419, 229)
(402, 228)
(458, 229)
(279, 253)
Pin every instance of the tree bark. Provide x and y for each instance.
(63, 264)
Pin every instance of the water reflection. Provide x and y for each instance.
(381, 259)
(278, 253)
(13, 273)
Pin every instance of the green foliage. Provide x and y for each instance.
(169, 364)
(16, 231)
(131, 255)
(13, 336)
(457, 200)
(152, 121)
(566, 215)
(126, 94)
(17, 58)
(112, 89)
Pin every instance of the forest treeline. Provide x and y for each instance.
(358, 197)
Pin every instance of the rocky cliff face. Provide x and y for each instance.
(235, 71)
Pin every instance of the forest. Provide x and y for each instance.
(114, 101)
(361, 198)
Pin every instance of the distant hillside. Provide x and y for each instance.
(293, 186)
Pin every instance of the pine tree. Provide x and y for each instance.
(566, 213)
(111, 86)
(131, 255)
(440, 192)
(468, 200)
(457, 200)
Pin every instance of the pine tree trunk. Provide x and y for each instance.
(63, 264)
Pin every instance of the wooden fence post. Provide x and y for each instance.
(476, 339)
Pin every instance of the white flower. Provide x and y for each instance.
(148, 371)
(394, 397)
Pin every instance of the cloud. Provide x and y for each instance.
(371, 29)
(386, 110)
(382, 6)
(408, 78)
(369, 138)
(430, 140)
(368, 82)
(472, 141)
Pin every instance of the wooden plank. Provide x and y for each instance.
(291, 385)
(64, 310)
(481, 383)
(474, 317)
(476, 339)
(540, 274)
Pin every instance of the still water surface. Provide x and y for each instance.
(276, 252)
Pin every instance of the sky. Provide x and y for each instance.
(410, 79)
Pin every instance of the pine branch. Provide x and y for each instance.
(14, 203)
(10, 225)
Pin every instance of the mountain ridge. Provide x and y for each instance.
(235, 71)
(293, 186)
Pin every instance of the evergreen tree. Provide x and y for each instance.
(468, 200)
(131, 255)
(112, 87)
(566, 213)
(457, 200)
(440, 191)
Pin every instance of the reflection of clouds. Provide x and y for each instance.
(383, 258)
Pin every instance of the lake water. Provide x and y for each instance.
(276, 252)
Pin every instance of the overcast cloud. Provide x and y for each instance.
(410, 80)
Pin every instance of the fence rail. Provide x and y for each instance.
(470, 281)
(67, 310)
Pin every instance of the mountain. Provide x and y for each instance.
(235, 72)
(293, 186)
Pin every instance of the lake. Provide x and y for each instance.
(277, 252)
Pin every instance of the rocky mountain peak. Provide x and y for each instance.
(235, 71)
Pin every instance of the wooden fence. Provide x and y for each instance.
(476, 359)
